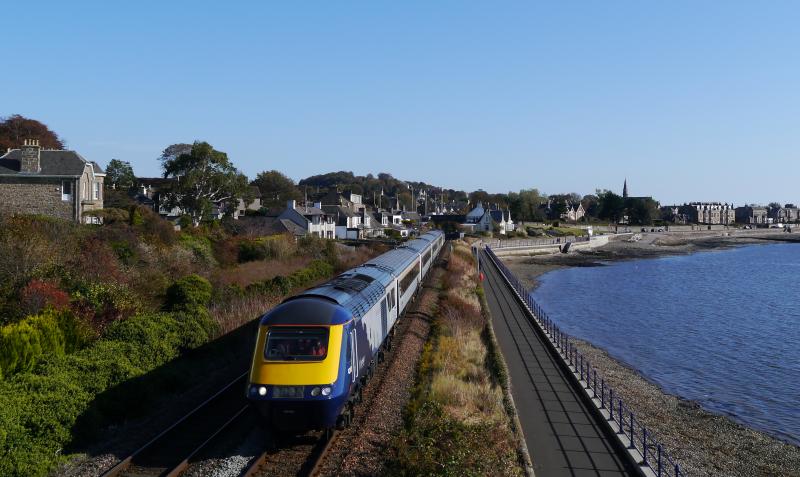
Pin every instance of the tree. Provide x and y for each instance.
(119, 174)
(610, 206)
(774, 205)
(276, 188)
(16, 128)
(203, 177)
(642, 211)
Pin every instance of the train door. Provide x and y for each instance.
(384, 319)
(352, 355)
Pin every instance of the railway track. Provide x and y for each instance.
(171, 452)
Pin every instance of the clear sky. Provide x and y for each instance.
(688, 100)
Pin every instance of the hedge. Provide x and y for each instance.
(42, 411)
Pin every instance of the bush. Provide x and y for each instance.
(40, 413)
(188, 293)
(200, 246)
(39, 294)
(103, 303)
(51, 333)
(251, 250)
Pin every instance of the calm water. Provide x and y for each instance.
(720, 328)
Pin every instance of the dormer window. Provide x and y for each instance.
(66, 190)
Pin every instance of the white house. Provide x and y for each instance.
(313, 219)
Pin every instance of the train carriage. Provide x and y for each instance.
(315, 350)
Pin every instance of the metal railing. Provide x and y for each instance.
(535, 242)
(637, 436)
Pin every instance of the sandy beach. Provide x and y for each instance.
(705, 444)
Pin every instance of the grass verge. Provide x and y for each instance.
(457, 420)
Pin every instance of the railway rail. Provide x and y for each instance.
(170, 453)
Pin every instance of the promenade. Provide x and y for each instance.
(563, 435)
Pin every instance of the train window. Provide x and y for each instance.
(392, 301)
(290, 343)
(407, 280)
(426, 258)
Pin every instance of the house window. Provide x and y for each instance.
(96, 191)
(66, 190)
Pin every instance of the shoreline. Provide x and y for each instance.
(702, 442)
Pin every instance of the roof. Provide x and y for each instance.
(497, 215)
(305, 210)
(338, 209)
(358, 289)
(477, 212)
(52, 163)
(271, 225)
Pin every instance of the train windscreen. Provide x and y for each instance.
(291, 343)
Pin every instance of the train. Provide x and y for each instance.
(316, 350)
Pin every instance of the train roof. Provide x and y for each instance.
(358, 289)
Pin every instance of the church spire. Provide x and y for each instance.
(625, 189)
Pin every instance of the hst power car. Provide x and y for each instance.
(316, 350)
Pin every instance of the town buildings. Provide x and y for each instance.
(55, 183)
(481, 219)
(752, 215)
(710, 213)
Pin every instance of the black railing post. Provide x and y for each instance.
(602, 393)
(658, 460)
(644, 444)
(611, 402)
(621, 417)
(632, 446)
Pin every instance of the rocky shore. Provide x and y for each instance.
(705, 444)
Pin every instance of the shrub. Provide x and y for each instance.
(125, 253)
(200, 246)
(188, 293)
(251, 250)
(51, 333)
(38, 294)
(40, 413)
(103, 303)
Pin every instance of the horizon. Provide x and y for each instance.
(687, 102)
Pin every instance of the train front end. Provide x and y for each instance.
(299, 378)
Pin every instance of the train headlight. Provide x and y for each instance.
(262, 390)
(326, 391)
(315, 392)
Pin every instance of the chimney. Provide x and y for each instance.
(291, 204)
(29, 163)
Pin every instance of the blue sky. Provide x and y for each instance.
(688, 100)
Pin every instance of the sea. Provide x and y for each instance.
(720, 328)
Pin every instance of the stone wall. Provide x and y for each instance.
(35, 195)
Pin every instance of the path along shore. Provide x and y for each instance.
(705, 444)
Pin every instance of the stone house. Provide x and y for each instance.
(711, 213)
(784, 215)
(574, 212)
(752, 215)
(55, 183)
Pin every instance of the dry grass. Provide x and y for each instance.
(251, 272)
(458, 418)
(236, 312)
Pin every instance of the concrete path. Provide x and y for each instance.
(563, 435)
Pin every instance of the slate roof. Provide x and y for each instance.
(53, 163)
(305, 210)
(337, 209)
